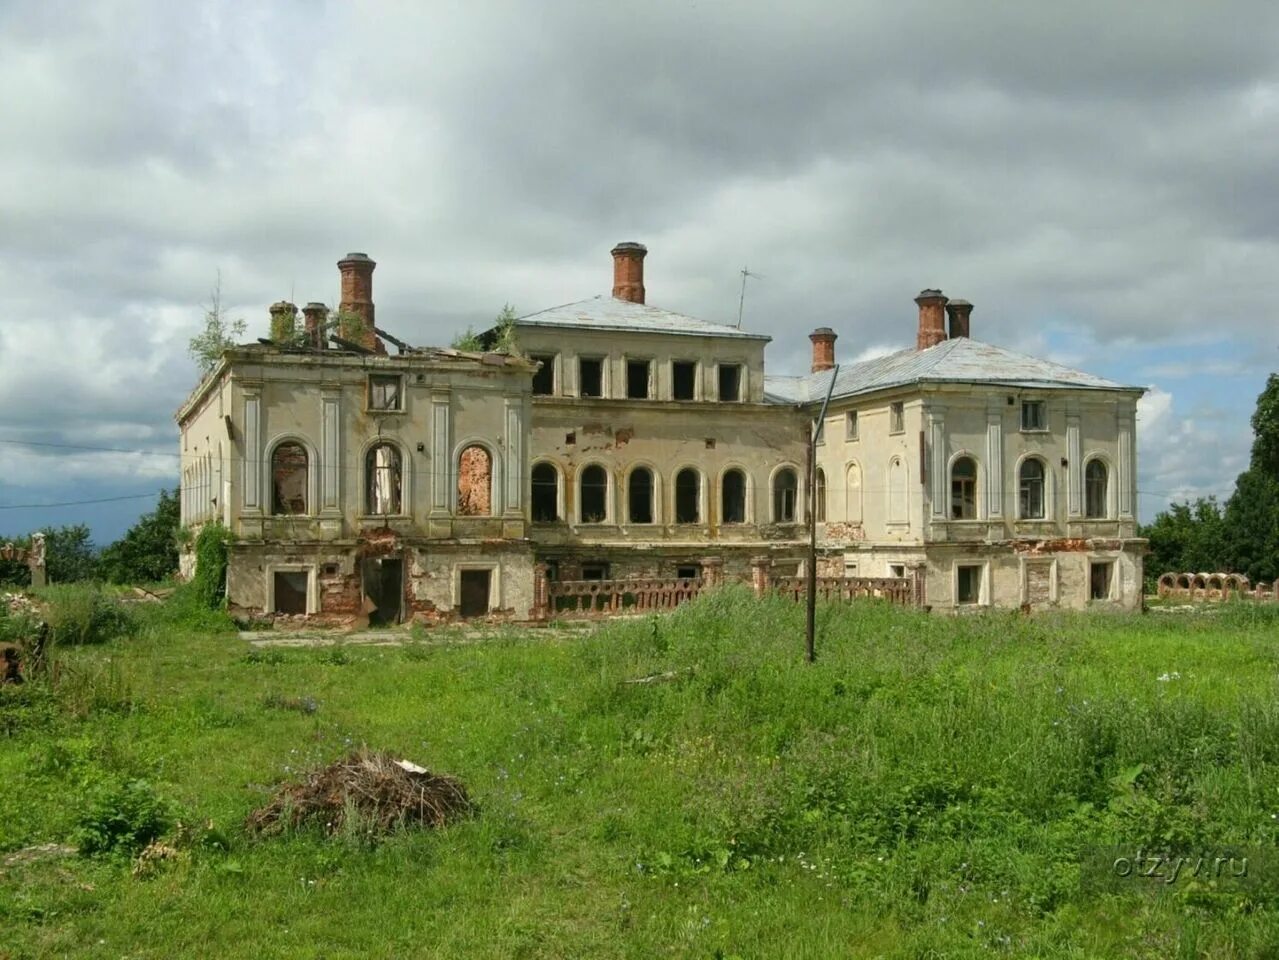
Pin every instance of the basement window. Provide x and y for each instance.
(968, 584)
(688, 572)
(684, 380)
(544, 379)
(730, 382)
(1100, 577)
(384, 392)
(595, 571)
(637, 378)
(590, 376)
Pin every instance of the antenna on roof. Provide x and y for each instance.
(741, 302)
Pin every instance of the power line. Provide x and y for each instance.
(76, 503)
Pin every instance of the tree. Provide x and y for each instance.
(499, 339)
(148, 552)
(207, 346)
(1187, 537)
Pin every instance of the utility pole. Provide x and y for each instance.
(814, 434)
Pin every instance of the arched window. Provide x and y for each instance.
(688, 496)
(898, 497)
(288, 480)
(733, 496)
(1031, 490)
(594, 496)
(963, 489)
(819, 496)
(383, 479)
(546, 493)
(1096, 477)
(639, 495)
(853, 494)
(474, 482)
(785, 486)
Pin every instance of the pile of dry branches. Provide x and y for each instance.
(368, 791)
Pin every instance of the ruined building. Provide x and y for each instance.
(628, 443)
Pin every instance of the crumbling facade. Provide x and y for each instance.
(626, 443)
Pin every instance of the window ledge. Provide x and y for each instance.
(399, 411)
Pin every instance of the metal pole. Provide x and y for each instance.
(814, 434)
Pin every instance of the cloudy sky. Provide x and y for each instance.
(1098, 178)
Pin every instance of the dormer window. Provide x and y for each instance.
(385, 392)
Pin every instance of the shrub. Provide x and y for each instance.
(84, 613)
(209, 581)
(121, 818)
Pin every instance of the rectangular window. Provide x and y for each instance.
(1034, 416)
(1100, 577)
(684, 380)
(290, 591)
(968, 584)
(384, 392)
(688, 572)
(544, 379)
(897, 417)
(850, 425)
(637, 377)
(897, 570)
(590, 377)
(595, 571)
(730, 382)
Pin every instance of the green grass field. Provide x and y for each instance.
(927, 789)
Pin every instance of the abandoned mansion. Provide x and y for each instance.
(612, 445)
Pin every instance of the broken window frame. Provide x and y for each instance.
(737, 372)
(384, 481)
(596, 570)
(599, 380)
(302, 468)
(646, 498)
(1096, 490)
(819, 496)
(732, 508)
(597, 488)
(549, 493)
(688, 496)
(975, 574)
(1106, 580)
(963, 489)
(633, 364)
(385, 393)
(1032, 486)
(785, 497)
(544, 378)
(676, 392)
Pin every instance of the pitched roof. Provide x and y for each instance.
(958, 360)
(610, 313)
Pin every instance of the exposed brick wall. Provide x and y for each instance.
(823, 339)
(475, 483)
(932, 319)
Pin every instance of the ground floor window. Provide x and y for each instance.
(1100, 577)
(897, 570)
(473, 589)
(291, 591)
(968, 584)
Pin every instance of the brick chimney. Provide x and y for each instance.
(959, 313)
(357, 299)
(284, 316)
(317, 315)
(628, 271)
(932, 319)
(823, 348)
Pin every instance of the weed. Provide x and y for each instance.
(121, 817)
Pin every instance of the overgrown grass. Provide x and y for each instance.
(928, 788)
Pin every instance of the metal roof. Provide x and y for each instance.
(610, 313)
(958, 360)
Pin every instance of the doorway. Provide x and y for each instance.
(384, 587)
(475, 592)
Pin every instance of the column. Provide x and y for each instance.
(1126, 478)
(1075, 468)
(252, 450)
(994, 461)
(514, 497)
(936, 433)
(441, 454)
(331, 451)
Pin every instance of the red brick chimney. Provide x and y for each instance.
(317, 315)
(959, 313)
(823, 348)
(932, 319)
(284, 317)
(628, 271)
(357, 299)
